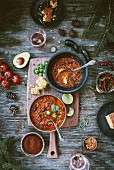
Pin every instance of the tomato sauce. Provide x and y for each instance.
(62, 72)
(45, 109)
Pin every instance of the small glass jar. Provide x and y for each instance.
(37, 38)
(79, 162)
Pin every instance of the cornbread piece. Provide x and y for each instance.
(53, 3)
(35, 90)
(47, 14)
(110, 120)
(42, 83)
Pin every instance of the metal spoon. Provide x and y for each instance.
(59, 134)
(90, 63)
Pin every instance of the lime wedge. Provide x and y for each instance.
(71, 112)
(67, 98)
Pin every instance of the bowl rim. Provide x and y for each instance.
(85, 146)
(73, 90)
(97, 86)
(28, 154)
(62, 122)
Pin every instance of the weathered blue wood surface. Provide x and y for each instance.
(18, 23)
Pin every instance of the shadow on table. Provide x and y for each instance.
(10, 13)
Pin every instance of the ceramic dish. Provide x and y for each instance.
(37, 8)
(105, 82)
(101, 119)
(32, 143)
(90, 143)
(46, 108)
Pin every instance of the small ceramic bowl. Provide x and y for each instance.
(90, 143)
(32, 144)
(99, 79)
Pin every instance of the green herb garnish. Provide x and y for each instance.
(54, 108)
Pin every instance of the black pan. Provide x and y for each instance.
(101, 120)
(52, 62)
(38, 5)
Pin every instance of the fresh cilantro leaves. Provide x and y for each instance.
(54, 108)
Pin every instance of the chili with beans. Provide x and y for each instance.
(46, 108)
(62, 72)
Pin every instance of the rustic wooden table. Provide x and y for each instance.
(18, 23)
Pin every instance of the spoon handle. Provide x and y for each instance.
(90, 63)
(59, 134)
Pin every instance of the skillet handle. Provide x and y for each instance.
(52, 151)
(72, 44)
(85, 54)
(78, 49)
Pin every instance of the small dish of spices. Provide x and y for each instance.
(105, 82)
(90, 143)
(32, 144)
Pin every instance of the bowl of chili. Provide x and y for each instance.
(46, 108)
(59, 72)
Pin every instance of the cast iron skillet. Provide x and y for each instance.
(38, 5)
(101, 120)
(49, 69)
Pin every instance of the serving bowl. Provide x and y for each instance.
(41, 113)
(51, 63)
(31, 141)
(105, 82)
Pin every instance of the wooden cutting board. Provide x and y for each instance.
(70, 121)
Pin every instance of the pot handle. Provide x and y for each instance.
(85, 54)
(52, 151)
(72, 44)
(78, 49)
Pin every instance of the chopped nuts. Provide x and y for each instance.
(90, 143)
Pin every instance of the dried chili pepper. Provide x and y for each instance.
(106, 63)
(109, 77)
(106, 82)
(104, 86)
